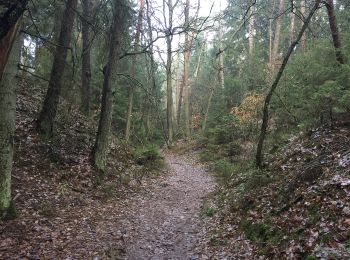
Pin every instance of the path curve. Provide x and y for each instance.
(165, 221)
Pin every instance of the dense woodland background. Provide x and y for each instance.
(259, 89)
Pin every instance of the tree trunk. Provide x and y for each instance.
(168, 38)
(177, 85)
(49, 109)
(251, 34)
(133, 71)
(8, 84)
(59, 9)
(303, 13)
(264, 125)
(292, 24)
(152, 81)
(334, 31)
(8, 21)
(179, 107)
(276, 40)
(11, 15)
(185, 76)
(169, 93)
(86, 57)
(221, 61)
(271, 36)
(100, 150)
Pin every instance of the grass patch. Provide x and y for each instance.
(261, 233)
(207, 210)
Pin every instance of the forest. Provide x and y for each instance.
(174, 129)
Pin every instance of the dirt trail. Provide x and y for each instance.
(165, 223)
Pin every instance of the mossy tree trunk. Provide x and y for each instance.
(49, 109)
(100, 150)
(8, 86)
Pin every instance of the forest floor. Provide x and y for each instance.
(165, 220)
(65, 211)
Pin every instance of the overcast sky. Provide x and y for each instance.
(207, 8)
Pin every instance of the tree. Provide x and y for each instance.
(8, 84)
(133, 71)
(277, 38)
(8, 30)
(185, 75)
(49, 109)
(168, 21)
(292, 23)
(264, 124)
(334, 31)
(251, 33)
(100, 149)
(303, 13)
(86, 56)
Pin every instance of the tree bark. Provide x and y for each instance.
(133, 71)
(271, 36)
(185, 76)
(11, 15)
(179, 107)
(86, 57)
(292, 24)
(177, 85)
(334, 31)
(264, 125)
(100, 150)
(168, 38)
(169, 93)
(49, 109)
(303, 13)
(251, 34)
(221, 61)
(276, 40)
(8, 86)
(8, 21)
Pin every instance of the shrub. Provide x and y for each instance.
(149, 156)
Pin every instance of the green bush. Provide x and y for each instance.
(149, 156)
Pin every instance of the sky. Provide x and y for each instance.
(208, 8)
